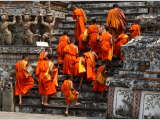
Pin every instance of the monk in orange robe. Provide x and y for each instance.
(48, 79)
(63, 42)
(97, 86)
(76, 69)
(42, 57)
(135, 30)
(82, 45)
(105, 45)
(70, 93)
(78, 15)
(93, 32)
(122, 39)
(24, 81)
(90, 64)
(116, 20)
(70, 52)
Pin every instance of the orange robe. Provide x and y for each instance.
(135, 31)
(63, 42)
(69, 59)
(80, 26)
(76, 68)
(47, 82)
(24, 80)
(93, 42)
(97, 86)
(121, 40)
(41, 59)
(105, 46)
(90, 63)
(65, 88)
(114, 22)
(82, 46)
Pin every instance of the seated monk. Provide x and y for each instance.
(93, 32)
(24, 81)
(135, 30)
(105, 45)
(70, 52)
(122, 39)
(69, 92)
(42, 57)
(90, 64)
(82, 45)
(78, 15)
(101, 86)
(116, 20)
(76, 68)
(63, 42)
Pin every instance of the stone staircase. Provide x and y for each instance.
(90, 106)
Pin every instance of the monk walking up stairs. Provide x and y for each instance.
(70, 93)
(24, 81)
(116, 20)
(48, 79)
(135, 29)
(63, 42)
(121, 40)
(70, 52)
(79, 16)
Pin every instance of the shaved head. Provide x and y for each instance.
(72, 40)
(73, 7)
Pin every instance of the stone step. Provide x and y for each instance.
(83, 93)
(60, 110)
(60, 101)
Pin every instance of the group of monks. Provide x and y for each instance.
(96, 42)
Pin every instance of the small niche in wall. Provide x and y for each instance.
(143, 66)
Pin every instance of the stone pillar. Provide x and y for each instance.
(136, 104)
(8, 96)
(0, 99)
(109, 111)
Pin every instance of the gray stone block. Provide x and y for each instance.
(153, 75)
(0, 100)
(146, 75)
(8, 100)
(121, 72)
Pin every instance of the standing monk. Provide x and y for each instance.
(93, 32)
(105, 45)
(70, 52)
(24, 81)
(97, 86)
(78, 15)
(121, 40)
(90, 63)
(69, 92)
(116, 20)
(135, 30)
(77, 68)
(42, 57)
(48, 79)
(63, 42)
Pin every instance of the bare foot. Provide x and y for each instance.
(77, 104)
(42, 103)
(20, 103)
(46, 104)
(66, 114)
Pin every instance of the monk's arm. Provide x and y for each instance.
(26, 67)
(72, 87)
(45, 55)
(99, 43)
(95, 55)
(102, 71)
(76, 21)
(77, 53)
(68, 40)
(51, 69)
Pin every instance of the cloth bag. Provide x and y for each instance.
(82, 69)
(101, 79)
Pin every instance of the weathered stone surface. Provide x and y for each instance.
(0, 100)
(8, 100)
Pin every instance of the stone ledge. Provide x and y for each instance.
(152, 72)
(151, 79)
(126, 76)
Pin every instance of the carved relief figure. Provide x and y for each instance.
(48, 26)
(28, 36)
(6, 35)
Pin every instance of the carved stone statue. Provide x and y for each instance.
(6, 35)
(48, 26)
(8, 83)
(28, 36)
